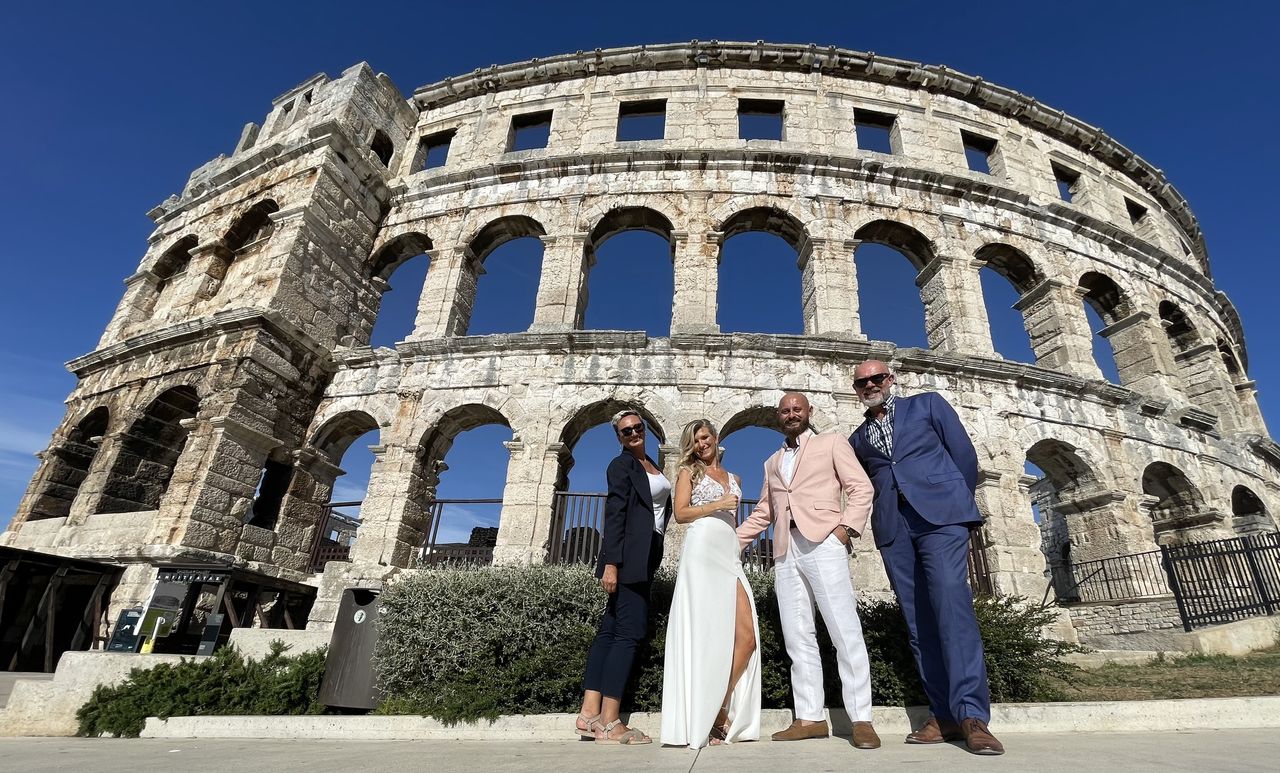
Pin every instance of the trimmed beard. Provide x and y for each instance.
(874, 402)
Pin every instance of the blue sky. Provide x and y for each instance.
(109, 108)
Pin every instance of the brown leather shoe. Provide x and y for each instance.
(799, 732)
(864, 736)
(936, 731)
(979, 739)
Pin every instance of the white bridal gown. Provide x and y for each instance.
(699, 654)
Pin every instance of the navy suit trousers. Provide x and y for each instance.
(928, 569)
(622, 628)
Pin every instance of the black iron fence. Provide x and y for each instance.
(457, 514)
(1119, 578)
(1225, 580)
(1212, 582)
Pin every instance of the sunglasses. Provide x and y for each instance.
(637, 429)
(876, 379)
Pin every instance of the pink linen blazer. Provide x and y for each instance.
(826, 468)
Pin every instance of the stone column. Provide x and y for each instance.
(524, 531)
(697, 279)
(1011, 536)
(954, 314)
(394, 519)
(213, 485)
(448, 294)
(140, 292)
(562, 289)
(304, 511)
(1058, 329)
(1208, 385)
(830, 289)
(1141, 355)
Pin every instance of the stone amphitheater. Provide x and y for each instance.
(208, 425)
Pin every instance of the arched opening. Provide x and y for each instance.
(149, 453)
(630, 253)
(462, 498)
(748, 439)
(1248, 513)
(1229, 360)
(401, 264)
(759, 281)
(1176, 506)
(1104, 305)
(503, 278)
(589, 444)
(1006, 275)
(382, 146)
(273, 484)
(247, 238)
(66, 464)
(888, 260)
(340, 486)
(1065, 497)
(171, 265)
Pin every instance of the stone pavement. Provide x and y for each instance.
(1225, 750)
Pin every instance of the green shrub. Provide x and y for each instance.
(225, 683)
(461, 644)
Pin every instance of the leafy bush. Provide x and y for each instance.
(224, 683)
(461, 644)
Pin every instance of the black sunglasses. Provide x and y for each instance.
(637, 429)
(877, 379)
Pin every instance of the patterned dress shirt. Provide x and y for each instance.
(880, 431)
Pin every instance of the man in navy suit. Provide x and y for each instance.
(924, 471)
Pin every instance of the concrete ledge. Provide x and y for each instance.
(255, 643)
(1099, 717)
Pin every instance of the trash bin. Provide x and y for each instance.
(348, 680)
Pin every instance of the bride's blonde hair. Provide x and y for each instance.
(688, 458)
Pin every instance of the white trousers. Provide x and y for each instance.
(818, 572)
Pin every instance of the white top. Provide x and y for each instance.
(789, 455)
(660, 489)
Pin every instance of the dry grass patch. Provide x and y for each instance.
(1192, 676)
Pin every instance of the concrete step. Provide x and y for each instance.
(891, 722)
(9, 678)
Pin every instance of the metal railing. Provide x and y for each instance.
(1224, 580)
(1119, 578)
(434, 553)
(335, 535)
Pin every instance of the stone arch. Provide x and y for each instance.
(1020, 275)
(1249, 514)
(338, 432)
(438, 438)
(768, 219)
(756, 416)
(1113, 305)
(149, 452)
(601, 410)
(1181, 332)
(67, 463)
(394, 252)
(393, 319)
(1105, 296)
(173, 262)
(1011, 263)
(498, 232)
(248, 234)
(918, 248)
(740, 290)
(1229, 360)
(1175, 504)
(382, 146)
(652, 279)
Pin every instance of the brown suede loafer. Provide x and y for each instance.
(936, 731)
(799, 732)
(979, 739)
(864, 736)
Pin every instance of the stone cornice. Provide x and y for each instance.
(838, 62)
(872, 171)
(192, 330)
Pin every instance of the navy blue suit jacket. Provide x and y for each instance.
(934, 465)
(628, 522)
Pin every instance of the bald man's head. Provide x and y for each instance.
(793, 414)
(873, 381)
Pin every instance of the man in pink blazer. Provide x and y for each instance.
(804, 482)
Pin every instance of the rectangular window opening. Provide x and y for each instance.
(1068, 182)
(434, 149)
(873, 131)
(1136, 211)
(760, 119)
(978, 151)
(530, 131)
(642, 120)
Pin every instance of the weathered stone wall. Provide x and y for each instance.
(260, 287)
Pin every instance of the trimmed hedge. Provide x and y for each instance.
(224, 683)
(461, 644)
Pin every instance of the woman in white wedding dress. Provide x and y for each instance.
(711, 673)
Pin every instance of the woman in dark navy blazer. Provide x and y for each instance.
(635, 519)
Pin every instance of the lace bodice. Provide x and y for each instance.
(709, 490)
